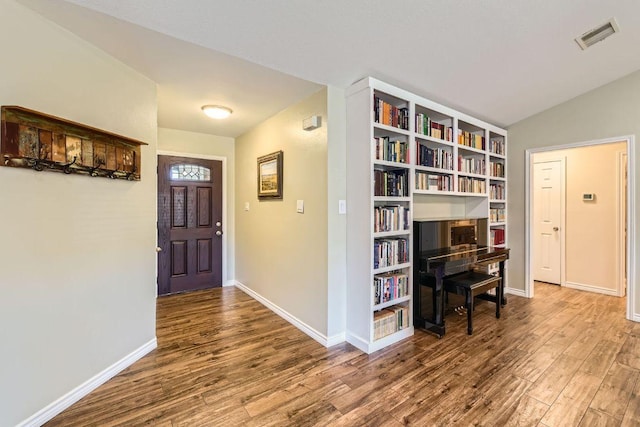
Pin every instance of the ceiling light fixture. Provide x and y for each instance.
(217, 111)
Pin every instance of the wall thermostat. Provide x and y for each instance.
(588, 197)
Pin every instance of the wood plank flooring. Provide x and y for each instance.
(564, 358)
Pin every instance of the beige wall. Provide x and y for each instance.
(281, 254)
(591, 231)
(337, 223)
(193, 143)
(607, 112)
(77, 254)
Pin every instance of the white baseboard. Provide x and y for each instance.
(229, 283)
(318, 336)
(48, 412)
(517, 292)
(591, 288)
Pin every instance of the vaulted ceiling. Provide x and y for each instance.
(499, 60)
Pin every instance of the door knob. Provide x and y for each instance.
(555, 229)
(158, 249)
(218, 233)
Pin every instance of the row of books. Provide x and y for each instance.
(471, 139)
(389, 252)
(471, 165)
(390, 115)
(497, 191)
(496, 236)
(387, 287)
(392, 183)
(496, 169)
(390, 218)
(497, 146)
(434, 157)
(471, 185)
(431, 181)
(497, 215)
(428, 127)
(389, 321)
(391, 151)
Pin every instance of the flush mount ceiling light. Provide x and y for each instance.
(217, 111)
(598, 34)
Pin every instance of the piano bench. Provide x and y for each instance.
(470, 285)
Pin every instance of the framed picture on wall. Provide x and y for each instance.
(270, 176)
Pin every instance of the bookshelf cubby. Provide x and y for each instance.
(409, 158)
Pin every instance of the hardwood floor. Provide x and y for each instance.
(564, 358)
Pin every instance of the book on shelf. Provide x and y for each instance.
(392, 183)
(389, 321)
(428, 127)
(471, 165)
(496, 237)
(470, 139)
(391, 151)
(434, 157)
(497, 215)
(433, 182)
(390, 286)
(390, 218)
(471, 185)
(496, 146)
(497, 191)
(496, 169)
(390, 115)
(390, 252)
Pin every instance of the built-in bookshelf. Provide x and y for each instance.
(407, 154)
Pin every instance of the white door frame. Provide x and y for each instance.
(225, 179)
(631, 235)
(620, 219)
(563, 225)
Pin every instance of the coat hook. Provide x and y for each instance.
(67, 168)
(92, 171)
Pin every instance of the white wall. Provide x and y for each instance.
(282, 255)
(607, 112)
(77, 256)
(193, 143)
(591, 226)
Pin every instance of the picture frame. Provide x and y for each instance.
(270, 168)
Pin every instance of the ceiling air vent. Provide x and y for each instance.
(598, 34)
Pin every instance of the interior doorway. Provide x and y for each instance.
(190, 224)
(619, 174)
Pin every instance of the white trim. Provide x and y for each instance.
(48, 412)
(620, 223)
(517, 292)
(316, 335)
(229, 283)
(591, 288)
(633, 313)
(225, 181)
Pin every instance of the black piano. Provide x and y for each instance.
(453, 269)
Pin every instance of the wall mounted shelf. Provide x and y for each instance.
(30, 139)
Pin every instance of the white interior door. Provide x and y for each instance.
(547, 221)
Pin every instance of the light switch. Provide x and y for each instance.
(342, 207)
(300, 206)
(246, 206)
